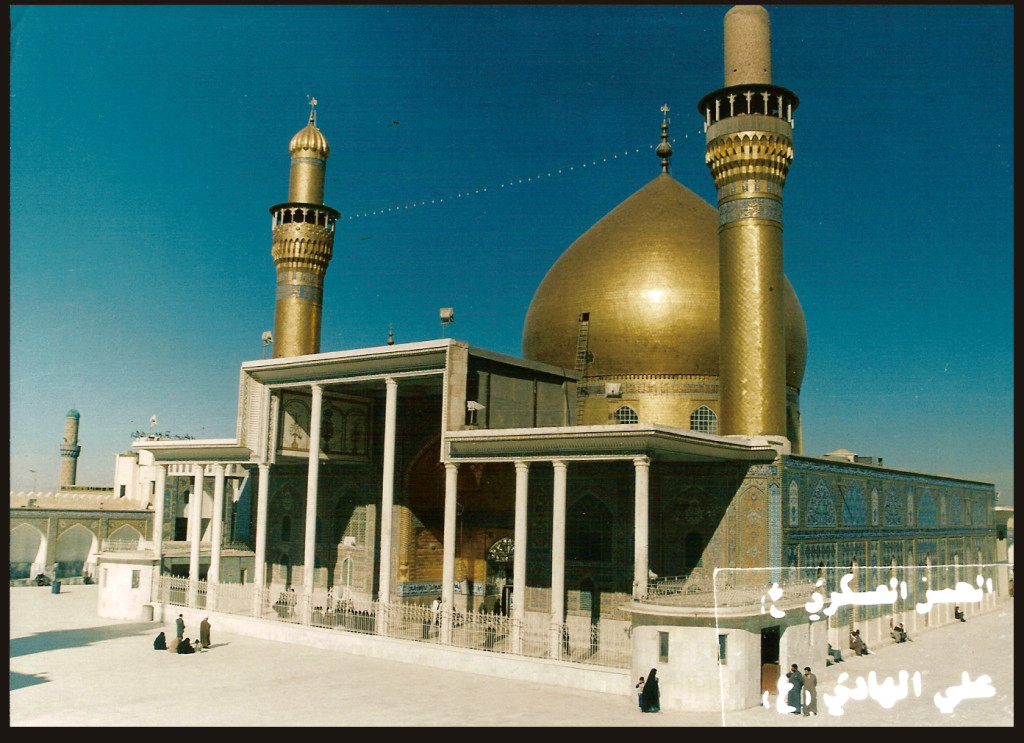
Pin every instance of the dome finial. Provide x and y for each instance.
(664, 150)
(312, 110)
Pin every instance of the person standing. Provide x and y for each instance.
(650, 698)
(640, 693)
(435, 611)
(204, 632)
(810, 692)
(180, 625)
(797, 680)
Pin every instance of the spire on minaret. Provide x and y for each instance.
(312, 111)
(391, 335)
(664, 150)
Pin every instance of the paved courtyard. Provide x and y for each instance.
(69, 667)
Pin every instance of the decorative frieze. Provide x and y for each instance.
(756, 207)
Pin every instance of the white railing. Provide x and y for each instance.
(577, 641)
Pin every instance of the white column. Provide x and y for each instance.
(519, 557)
(195, 522)
(213, 577)
(259, 575)
(558, 558)
(451, 483)
(387, 500)
(158, 514)
(312, 481)
(641, 537)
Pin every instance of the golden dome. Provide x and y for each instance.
(310, 141)
(647, 274)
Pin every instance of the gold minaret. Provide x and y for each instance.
(749, 127)
(303, 243)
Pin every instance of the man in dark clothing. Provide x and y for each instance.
(796, 678)
(180, 625)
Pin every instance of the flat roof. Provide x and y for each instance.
(618, 441)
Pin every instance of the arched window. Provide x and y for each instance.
(626, 414)
(927, 513)
(346, 571)
(854, 508)
(286, 528)
(590, 537)
(283, 569)
(703, 419)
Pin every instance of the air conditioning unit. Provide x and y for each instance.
(613, 389)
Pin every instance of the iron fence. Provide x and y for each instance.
(606, 643)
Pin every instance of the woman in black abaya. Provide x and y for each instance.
(650, 698)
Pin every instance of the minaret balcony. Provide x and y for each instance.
(745, 100)
(294, 213)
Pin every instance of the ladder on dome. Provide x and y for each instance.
(582, 358)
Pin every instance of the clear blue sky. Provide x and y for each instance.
(147, 144)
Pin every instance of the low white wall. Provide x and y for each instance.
(501, 665)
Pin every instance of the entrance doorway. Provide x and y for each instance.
(770, 659)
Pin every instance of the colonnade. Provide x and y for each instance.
(385, 578)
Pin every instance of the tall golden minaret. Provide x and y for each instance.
(749, 126)
(303, 243)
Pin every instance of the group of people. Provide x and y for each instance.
(182, 645)
(803, 695)
(648, 696)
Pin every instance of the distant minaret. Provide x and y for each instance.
(303, 243)
(69, 450)
(749, 127)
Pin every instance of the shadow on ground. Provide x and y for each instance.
(21, 680)
(74, 638)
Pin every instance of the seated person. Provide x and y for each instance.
(834, 655)
(160, 643)
(901, 632)
(172, 646)
(185, 647)
(957, 614)
(857, 645)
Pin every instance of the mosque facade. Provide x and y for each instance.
(630, 493)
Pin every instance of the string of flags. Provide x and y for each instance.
(507, 184)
